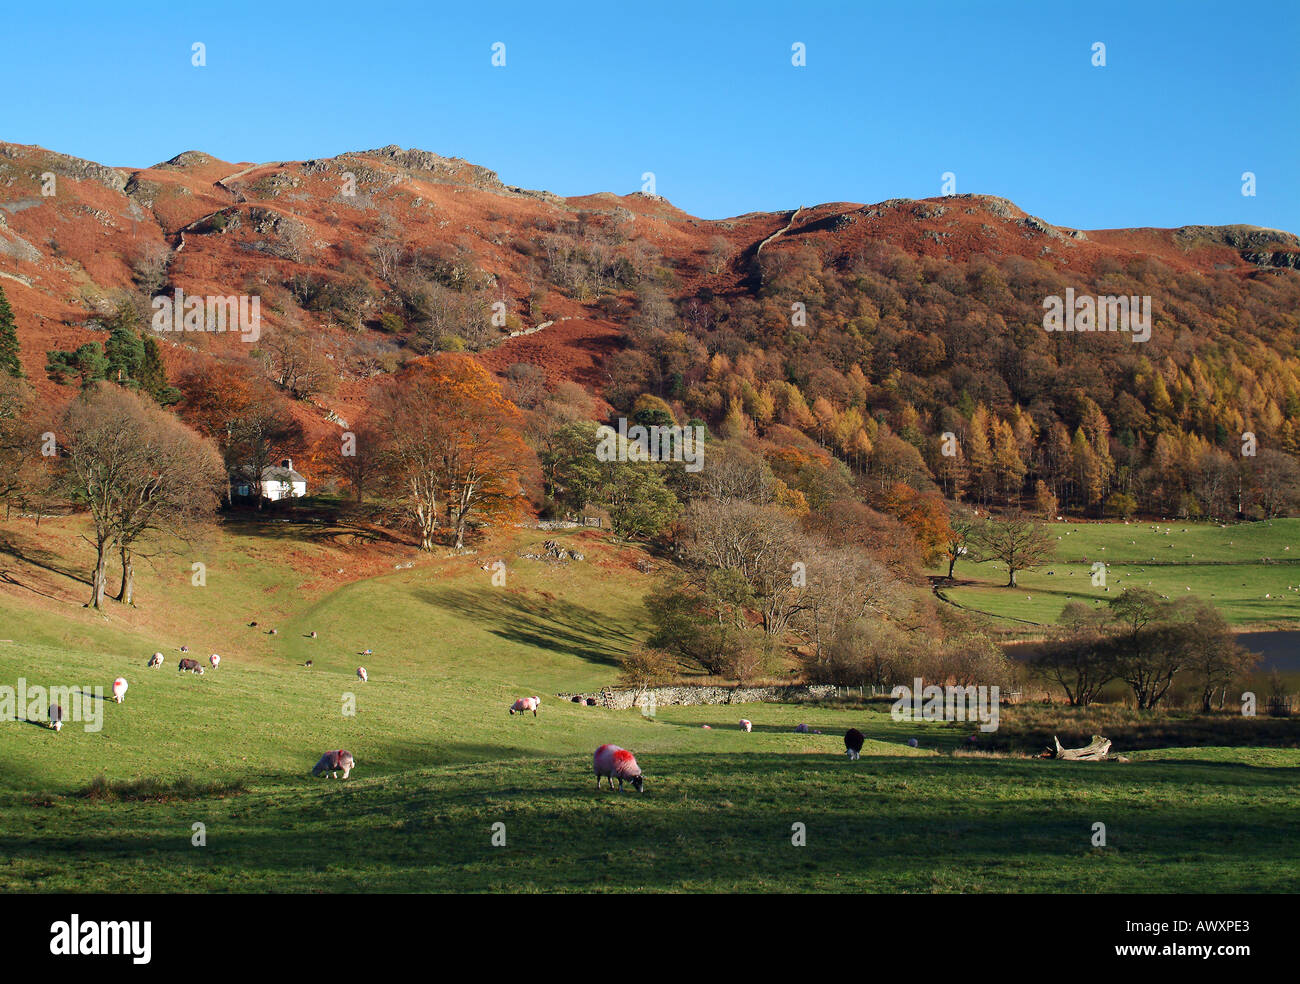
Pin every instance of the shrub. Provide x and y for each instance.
(645, 667)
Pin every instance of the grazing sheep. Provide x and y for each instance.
(312, 636)
(801, 729)
(185, 649)
(333, 763)
(155, 661)
(853, 743)
(367, 652)
(746, 725)
(612, 762)
(190, 665)
(912, 743)
(525, 704)
(119, 689)
(307, 664)
(56, 717)
(361, 674)
(215, 660)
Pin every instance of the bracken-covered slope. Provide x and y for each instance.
(73, 232)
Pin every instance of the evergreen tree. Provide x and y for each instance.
(87, 364)
(9, 362)
(153, 375)
(125, 353)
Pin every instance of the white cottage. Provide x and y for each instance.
(278, 482)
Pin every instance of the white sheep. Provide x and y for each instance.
(611, 762)
(525, 704)
(155, 661)
(361, 674)
(333, 763)
(119, 689)
(746, 725)
(215, 660)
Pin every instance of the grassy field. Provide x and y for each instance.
(440, 762)
(1250, 571)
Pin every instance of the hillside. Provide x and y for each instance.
(439, 761)
(912, 318)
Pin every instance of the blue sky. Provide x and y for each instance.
(704, 95)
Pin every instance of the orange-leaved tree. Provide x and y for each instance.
(452, 445)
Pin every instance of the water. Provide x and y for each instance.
(1280, 649)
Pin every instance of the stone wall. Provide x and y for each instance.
(625, 698)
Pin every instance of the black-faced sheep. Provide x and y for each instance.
(853, 743)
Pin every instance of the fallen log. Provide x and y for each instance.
(1095, 751)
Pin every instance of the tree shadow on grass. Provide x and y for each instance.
(553, 626)
(881, 823)
(331, 531)
(28, 553)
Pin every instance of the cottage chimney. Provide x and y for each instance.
(287, 463)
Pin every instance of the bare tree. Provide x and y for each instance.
(387, 254)
(176, 493)
(760, 545)
(138, 470)
(1275, 481)
(1081, 659)
(1017, 540)
(363, 467)
(733, 472)
(18, 440)
(962, 524)
(295, 361)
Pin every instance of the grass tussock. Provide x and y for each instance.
(150, 790)
(1031, 727)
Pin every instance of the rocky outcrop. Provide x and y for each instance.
(552, 551)
(40, 160)
(1038, 225)
(1273, 258)
(186, 160)
(452, 170)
